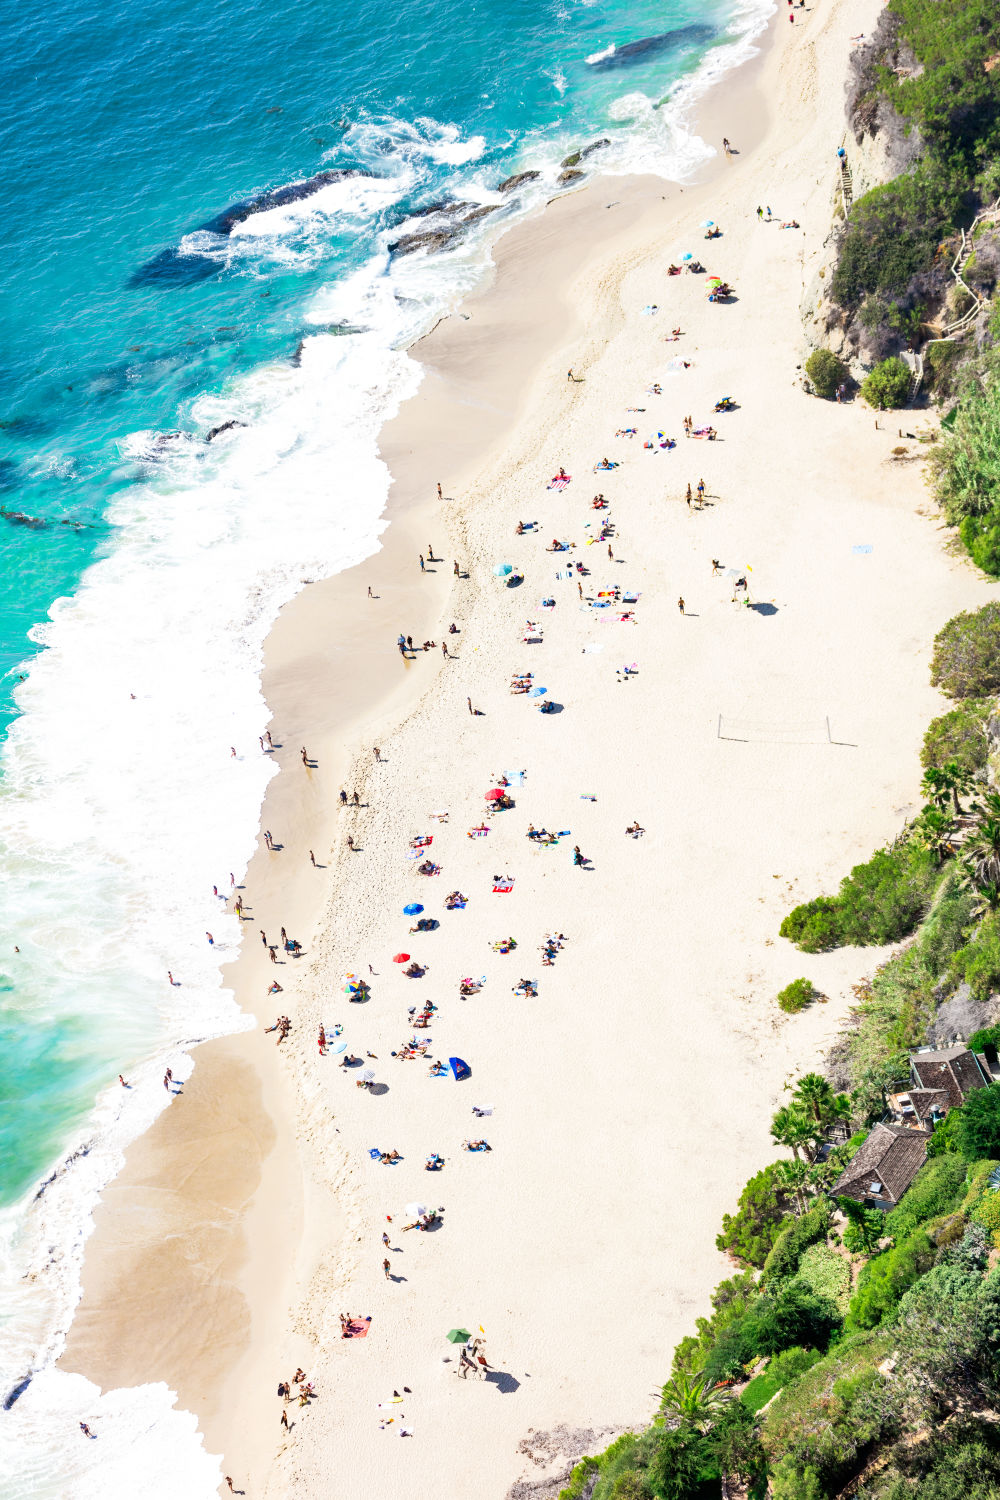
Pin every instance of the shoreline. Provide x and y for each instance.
(306, 686)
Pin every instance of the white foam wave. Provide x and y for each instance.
(596, 57)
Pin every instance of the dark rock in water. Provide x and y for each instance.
(444, 206)
(510, 183)
(479, 213)
(651, 46)
(222, 427)
(226, 222)
(18, 518)
(425, 239)
(565, 178)
(171, 268)
(578, 156)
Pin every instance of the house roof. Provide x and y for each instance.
(923, 1102)
(953, 1069)
(890, 1156)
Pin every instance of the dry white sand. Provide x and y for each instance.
(633, 1096)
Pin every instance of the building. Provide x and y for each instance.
(884, 1166)
(941, 1079)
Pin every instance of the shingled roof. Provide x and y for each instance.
(953, 1069)
(884, 1165)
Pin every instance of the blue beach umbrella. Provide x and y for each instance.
(536, 692)
(339, 1047)
(707, 224)
(688, 256)
(502, 569)
(412, 909)
(459, 1068)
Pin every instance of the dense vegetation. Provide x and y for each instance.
(854, 1349)
(928, 84)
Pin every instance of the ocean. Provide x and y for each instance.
(204, 328)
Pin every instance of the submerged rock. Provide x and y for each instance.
(510, 183)
(566, 177)
(577, 156)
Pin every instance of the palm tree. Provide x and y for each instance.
(942, 784)
(792, 1127)
(694, 1400)
(981, 852)
(933, 831)
(794, 1176)
(815, 1096)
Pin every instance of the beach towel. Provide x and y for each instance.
(629, 596)
(374, 1153)
(566, 573)
(515, 778)
(357, 1328)
(559, 482)
(478, 833)
(482, 1109)
(593, 647)
(503, 887)
(861, 547)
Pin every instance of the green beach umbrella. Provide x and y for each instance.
(458, 1336)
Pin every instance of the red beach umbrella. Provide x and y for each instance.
(401, 958)
(495, 795)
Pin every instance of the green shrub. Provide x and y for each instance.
(978, 1180)
(959, 736)
(794, 1315)
(794, 1239)
(892, 233)
(938, 1188)
(978, 1129)
(827, 1274)
(887, 386)
(783, 1369)
(749, 1234)
(884, 1280)
(987, 1213)
(796, 996)
(978, 962)
(966, 661)
(825, 372)
(940, 361)
(944, 1137)
(814, 927)
(880, 902)
(988, 1036)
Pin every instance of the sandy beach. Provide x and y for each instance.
(763, 745)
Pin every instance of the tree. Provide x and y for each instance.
(865, 1226)
(966, 660)
(695, 1400)
(933, 830)
(814, 1094)
(826, 372)
(749, 1234)
(981, 852)
(792, 1316)
(888, 384)
(796, 996)
(978, 1131)
(944, 783)
(792, 1127)
(794, 1177)
(960, 736)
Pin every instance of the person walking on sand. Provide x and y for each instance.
(688, 497)
(370, 594)
(421, 562)
(211, 939)
(579, 587)
(760, 212)
(716, 565)
(701, 491)
(610, 553)
(386, 1267)
(440, 495)
(343, 797)
(377, 752)
(86, 1430)
(229, 1481)
(350, 841)
(122, 1082)
(455, 568)
(168, 1079)
(272, 949)
(284, 1418)
(305, 757)
(444, 648)
(312, 859)
(680, 604)
(385, 1240)
(357, 800)
(170, 977)
(430, 553)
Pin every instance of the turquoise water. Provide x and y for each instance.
(142, 559)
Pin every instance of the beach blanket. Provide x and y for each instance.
(503, 886)
(357, 1328)
(861, 547)
(559, 482)
(593, 647)
(478, 833)
(515, 778)
(482, 1109)
(565, 573)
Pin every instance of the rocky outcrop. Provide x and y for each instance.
(565, 178)
(510, 183)
(446, 235)
(575, 157)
